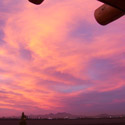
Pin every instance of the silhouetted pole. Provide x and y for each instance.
(23, 119)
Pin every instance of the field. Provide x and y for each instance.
(67, 122)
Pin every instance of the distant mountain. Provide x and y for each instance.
(64, 115)
(53, 116)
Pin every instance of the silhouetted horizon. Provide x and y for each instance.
(65, 115)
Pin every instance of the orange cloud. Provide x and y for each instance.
(56, 52)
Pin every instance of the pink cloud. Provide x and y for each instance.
(56, 55)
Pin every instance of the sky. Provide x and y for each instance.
(56, 58)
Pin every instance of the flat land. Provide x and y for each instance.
(67, 122)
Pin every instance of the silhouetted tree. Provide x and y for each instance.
(23, 119)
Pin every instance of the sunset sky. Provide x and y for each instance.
(56, 58)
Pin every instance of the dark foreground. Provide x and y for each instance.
(67, 122)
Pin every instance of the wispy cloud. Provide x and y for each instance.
(55, 57)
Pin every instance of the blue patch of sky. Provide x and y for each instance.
(69, 89)
(25, 54)
(1, 37)
(100, 68)
(2, 24)
(87, 31)
(62, 75)
(102, 64)
(9, 7)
